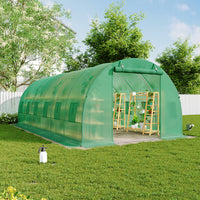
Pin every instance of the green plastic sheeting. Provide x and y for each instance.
(76, 108)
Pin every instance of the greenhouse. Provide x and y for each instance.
(79, 108)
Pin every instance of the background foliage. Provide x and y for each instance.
(115, 38)
(183, 67)
(33, 42)
(7, 118)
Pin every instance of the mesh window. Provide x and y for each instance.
(45, 110)
(35, 108)
(57, 110)
(72, 112)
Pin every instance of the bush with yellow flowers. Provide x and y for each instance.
(12, 194)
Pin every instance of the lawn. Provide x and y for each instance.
(155, 170)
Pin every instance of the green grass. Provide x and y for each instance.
(155, 170)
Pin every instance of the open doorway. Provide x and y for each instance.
(136, 120)
(136, 102)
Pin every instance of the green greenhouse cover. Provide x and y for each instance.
(76, 108)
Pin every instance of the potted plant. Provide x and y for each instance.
(133, 103)
(150, 94)
(134, 122)
(117, 97)
(150, 111)
(150, 101)
(118, 109)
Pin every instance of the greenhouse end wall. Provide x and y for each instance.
(145, 75)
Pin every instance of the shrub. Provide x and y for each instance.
(12, 194)
(135, 119)
(6, 118)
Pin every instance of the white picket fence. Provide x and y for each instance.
(9, 102)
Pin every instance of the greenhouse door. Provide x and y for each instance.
(127, 83)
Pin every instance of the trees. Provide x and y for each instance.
(115, 38)
(182, 66)
(77, 60)
(30, 32)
